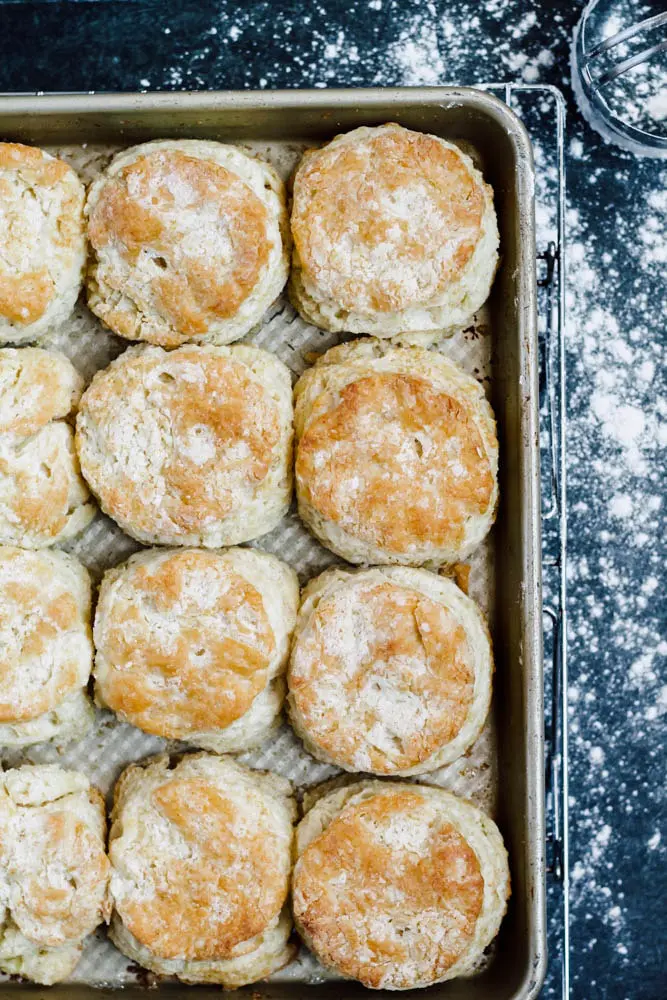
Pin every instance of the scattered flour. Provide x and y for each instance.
(617, 314)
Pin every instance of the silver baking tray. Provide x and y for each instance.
(504, 772)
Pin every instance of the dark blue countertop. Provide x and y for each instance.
(617, 410)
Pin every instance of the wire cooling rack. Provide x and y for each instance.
(542, 110)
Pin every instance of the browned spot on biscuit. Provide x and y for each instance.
(395, 462)
(33, 165)
(389, 893)
(24, 297)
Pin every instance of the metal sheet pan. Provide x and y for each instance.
(283, 121)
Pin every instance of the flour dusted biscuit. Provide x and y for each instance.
(190, 447)
(54, 872)
(43, 499)
(395, 234)
(46, 648)
(193, 645)
(36, 386)
(396, 457)
(390, 670)
(398, 885)
(191, 242)
(42, 240)
(201, 857)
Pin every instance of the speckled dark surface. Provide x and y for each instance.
(617, 232)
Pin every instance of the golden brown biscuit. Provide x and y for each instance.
(390, 670)
(190, 447)
(190, 240)
(398, 885)
(396, 455)
(201, 856)
(36, 386)
(43, 499)
(46, 647)
(54, 871)
(42, 239)
(394, 233)
(193, 645)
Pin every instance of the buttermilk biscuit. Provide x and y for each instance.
(396, 457)
(394, 233)
(191, 242)
(398, 885)
(201, 859)
(193, 645)
(390, 670)
(192, 447)
(54, 872)
(42, 240)
(43, 499)
(36, 386)
(46, 648)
